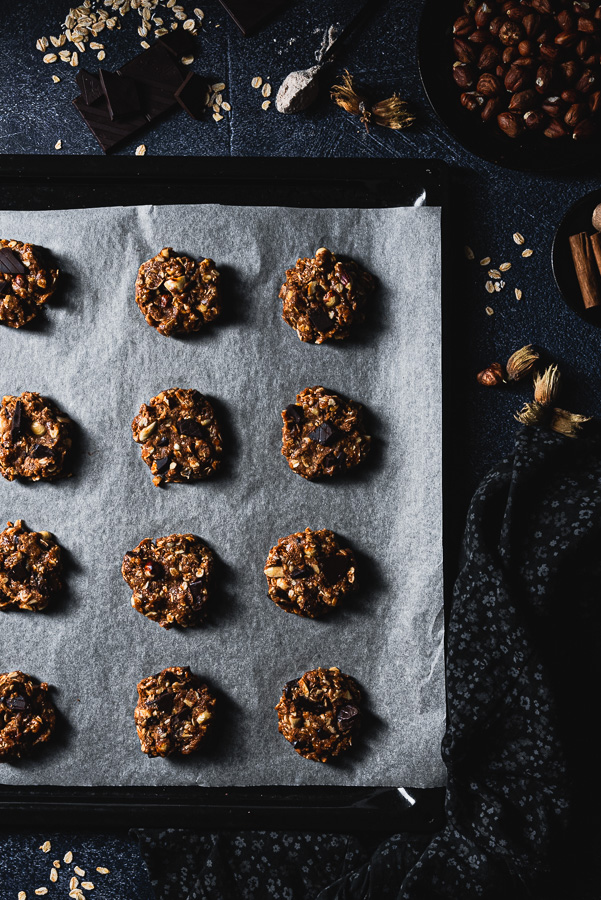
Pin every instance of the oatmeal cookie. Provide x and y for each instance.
(173, 713)
(170, 578)
(323, 434)
(319, 713)
(35, 438)
(30, 567)
(323, 298)
(180, 437)
(176, 294)
(25, 283)
(27, 715)
(308, 572)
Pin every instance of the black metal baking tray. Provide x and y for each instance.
(529, 152)
(38, 182)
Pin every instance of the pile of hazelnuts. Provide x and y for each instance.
(531, 65)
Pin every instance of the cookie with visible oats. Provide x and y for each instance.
(25, 283)
(176, 294)
(324, 297)
(35, 438)
(319, 714)
(30, 567)
(174, 712)
(180, 437)
(170, 579)
(323, 434)
(308, 572)
(27, 715)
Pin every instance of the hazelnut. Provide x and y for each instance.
(510, 123)
(489, 85)
(575, 114)
(516, 79)
(463, 51)
(555, 129)
(489, 57)
(523, 101)
(584, 129)
(534, 119)
(463, 25)
(596, 220)
(491, 376)
(510, 33)
(463, 75)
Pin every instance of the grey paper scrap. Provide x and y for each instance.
(93, 354)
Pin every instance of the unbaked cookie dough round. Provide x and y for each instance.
(174, 712)
(180, 437)
(25, 283)
(323, 434)
(30, 567)
(170, 579)
(35, 438)
(324, 297)
(319, 714)
(309, 573)
(177, 294)
(27, 715)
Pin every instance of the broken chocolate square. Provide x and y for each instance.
(320, 319)
(89, 85)
(10, 262)
(249, 16)
(192, 95)
(334, 568)
(121, 95)
(325, 433)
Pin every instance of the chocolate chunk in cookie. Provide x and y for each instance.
(170, 578)
(35, 438)
(323, 297)
(308, 572)
(174, 712)
(323, 434)
(180, 437)
(25, 283)
(27, 715)
(320, 713)
(30, 567)
(176, 294)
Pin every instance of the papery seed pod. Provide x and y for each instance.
(533, 414)
(567, 423)
(546, 386)
(521, 363)
(492, 376)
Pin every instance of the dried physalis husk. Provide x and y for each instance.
(533, 414)
(391, 113)
(546, 386)
(492, 375)
(521, 363)
(567, 423)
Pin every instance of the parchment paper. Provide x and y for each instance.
(92, 352)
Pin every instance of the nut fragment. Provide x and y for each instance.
(491, 376)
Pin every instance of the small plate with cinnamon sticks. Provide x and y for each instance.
(576, 258)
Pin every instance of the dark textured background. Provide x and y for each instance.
(489, 204)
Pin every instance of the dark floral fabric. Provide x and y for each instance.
(521, 748)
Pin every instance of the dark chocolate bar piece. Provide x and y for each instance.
(178, 43)
(89, 85)
(248, 16)
(121, 95)
(192, 95)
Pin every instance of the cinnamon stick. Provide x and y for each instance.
(586, 269)
(595, 240)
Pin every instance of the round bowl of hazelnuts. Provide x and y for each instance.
(518, 82)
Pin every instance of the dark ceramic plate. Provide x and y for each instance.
(528, 153)
(577, 219)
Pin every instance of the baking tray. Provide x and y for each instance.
(37, 182)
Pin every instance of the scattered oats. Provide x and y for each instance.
(187, 60)
(220, 86)
(518, 238)
(215, 107)
(87, 885)
(157, 20)
(75, 59)
(54, 41)
(41, 891)
(494, 273)
(100, 55)
(527, 252)
(103, 870)
(57, 863)
(265, 104)
(80, 46)
(266, 90)
(57, 146)
(144, 44)
(53, 875)
(518, 294)
(79, 871)
(42, 44)
(485, 261)
(226, 106)
(22, 895)
(77, 895)
(490, 311)
(505, 267)
(56, 79)
(50, 58)
(170, 4)
(199, 14)
(46, 846)
(180, 14)
(74, 883)
(143, 31)
(501, 285)
(173, 26)
(94, 45)
(489, 287)
(68, 857)
(140, 151)
(160, 32)
(469, 253)
(65, 55)
(257, 82)
(217, 116)
(189, 24)
(497, 286)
